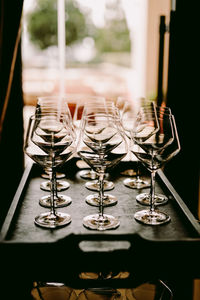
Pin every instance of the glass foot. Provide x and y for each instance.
(94, 185)
(58, 175)
(108, 200)
(61, 186)
(144, 198)
(96, 222)
(135, 183)
(49, 220)
(128, 172)
(60, 201)
(151, 217)
(88, 174)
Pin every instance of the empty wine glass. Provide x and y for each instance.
(108, 199)
(154, 152)
(104, 136)
(93, 199)
(77, 103)
(128, 116)
(144, 198)
(120, 102)
(105, 108)
(60, 200)
(50, 143)
(56, 103)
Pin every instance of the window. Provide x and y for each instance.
(111, 47)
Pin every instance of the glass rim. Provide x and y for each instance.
(71, 96)
(161, 108)
(103, 115)
(49, 114)
(157, 114)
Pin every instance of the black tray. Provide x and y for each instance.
(127, 248)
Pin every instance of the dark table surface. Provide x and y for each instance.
(75, 248)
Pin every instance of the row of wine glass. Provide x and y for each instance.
(101, 134)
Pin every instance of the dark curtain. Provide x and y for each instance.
(11, 131)
(11, 102)
(183, 97)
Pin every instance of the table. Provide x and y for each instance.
(143, 251)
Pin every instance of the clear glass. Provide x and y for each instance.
(58, 175)
(50, 142)
(144, 198)
(106, 146)
(128, 111)
(77, 103)
(95, 185)
(108, 199)
(60, 200)
(105, 107)
(154, 152)
(61, 185)
(88, 174)
(54, 104)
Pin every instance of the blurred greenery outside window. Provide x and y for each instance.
(108, 41)
(97, 49)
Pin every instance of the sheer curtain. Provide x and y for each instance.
(11, 102)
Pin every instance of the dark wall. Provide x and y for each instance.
(183, 97)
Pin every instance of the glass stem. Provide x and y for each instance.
(137, 171)
(130, 153)
(103, 196)
(52, 177)
(101, 192)
(55, 185)
(52, 194)
(152, 191)
(137, 168)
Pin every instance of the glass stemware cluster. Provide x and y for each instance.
(102, 144)
(96, 104)
(53, 104)
(57, 105)
(50, 142)
(154, 151)
(104, 136)
(77, 103)
(128, 114)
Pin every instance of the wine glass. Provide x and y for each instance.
(56, 103)
(104, 136)
(105, 108)
(60, 200)
(108, 199)
(78, 113)
(154, 152)
(50, 143)
(120, 103)
(144, 198)
(76, 103)
(128, 116)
